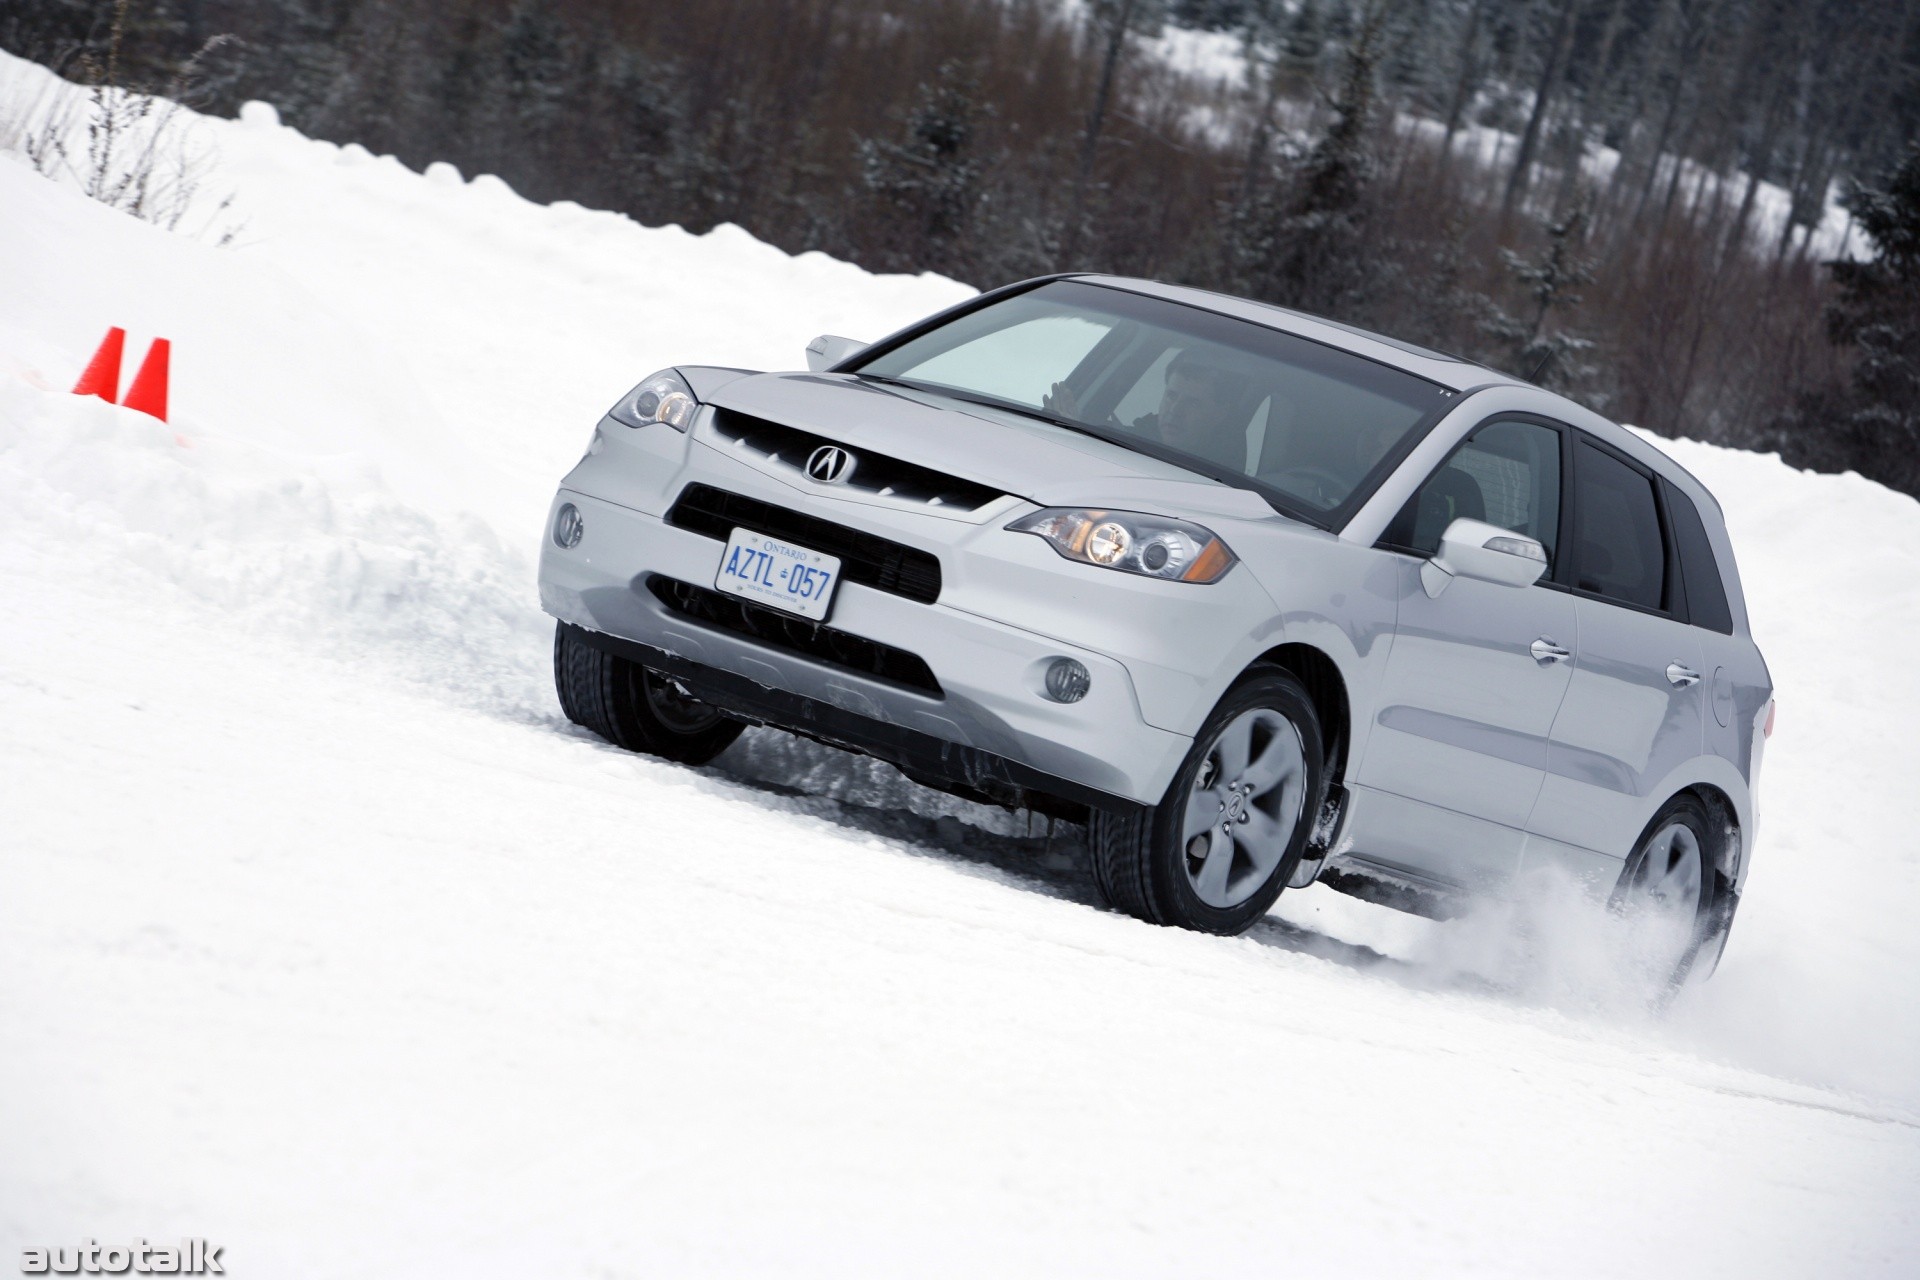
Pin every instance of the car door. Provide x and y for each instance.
(1475, 676)
(1633, 710)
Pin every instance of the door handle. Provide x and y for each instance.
(1680, 676)
(1546, 652)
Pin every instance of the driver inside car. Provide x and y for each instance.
(1199, 411)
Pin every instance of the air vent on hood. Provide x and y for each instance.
(872, 473)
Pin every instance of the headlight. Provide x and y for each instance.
(665, 397)
(1152, 546)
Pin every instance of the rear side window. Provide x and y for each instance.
(1706, 589)
(1618, 552)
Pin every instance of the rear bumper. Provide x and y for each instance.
(987, 730)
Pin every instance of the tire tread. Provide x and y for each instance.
(605, 695)
(1129, 851)
(1121, 849)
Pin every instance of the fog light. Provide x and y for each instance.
(1067, 680)
(568, 527)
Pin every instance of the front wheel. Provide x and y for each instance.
(633, 707)
(1219, 847)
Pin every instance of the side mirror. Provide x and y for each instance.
(826, 351)
(1476, 549)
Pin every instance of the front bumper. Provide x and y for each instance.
(988, 731)
(962, 769)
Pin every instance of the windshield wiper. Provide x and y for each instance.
(881, 377)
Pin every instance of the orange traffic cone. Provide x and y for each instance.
(148, 394)
(102, 377)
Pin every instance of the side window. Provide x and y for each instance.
(1507, 473)
(1706, 590)
(1618, 552)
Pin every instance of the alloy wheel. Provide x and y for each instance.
(1244, 807)
(1662, 892)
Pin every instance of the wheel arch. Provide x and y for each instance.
(1327, 689)
(1727, 856)
(1729, 846)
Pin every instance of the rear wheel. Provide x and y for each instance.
(1666, 890)
(633, 707)
(1217, 850)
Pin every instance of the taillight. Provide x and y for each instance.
(1767, 731)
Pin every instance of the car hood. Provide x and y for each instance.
(1042, 463)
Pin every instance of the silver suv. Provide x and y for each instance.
(1261, 598)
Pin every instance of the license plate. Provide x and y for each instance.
(771, 572)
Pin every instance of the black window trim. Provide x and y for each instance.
(919, 328)
(1559, 579)
(1674, 587)
(1670, 493)
(1562, 576)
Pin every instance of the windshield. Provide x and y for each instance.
(1234, 400)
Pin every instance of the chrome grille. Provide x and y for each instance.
(873, 473)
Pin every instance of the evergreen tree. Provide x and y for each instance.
(146, 43)
(534, 56)
(928, 181)
(1877, 319)
(1306, 36)
(1111, 22)
(1443, 310)
(1210, 15)
(1411, 73)
(1532, 348)
(641, 107)
(1307, 246)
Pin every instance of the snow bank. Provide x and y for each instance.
(322, 935)
(360, 294)
(321, 550)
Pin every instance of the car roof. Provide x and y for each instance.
(1448, 371)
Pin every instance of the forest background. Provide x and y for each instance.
(1579, 192)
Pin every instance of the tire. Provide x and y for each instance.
(1166, 865)
(633, 707)
(1666, 889)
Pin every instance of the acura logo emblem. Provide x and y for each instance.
(830, 464)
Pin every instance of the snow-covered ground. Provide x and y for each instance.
(324, 937)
